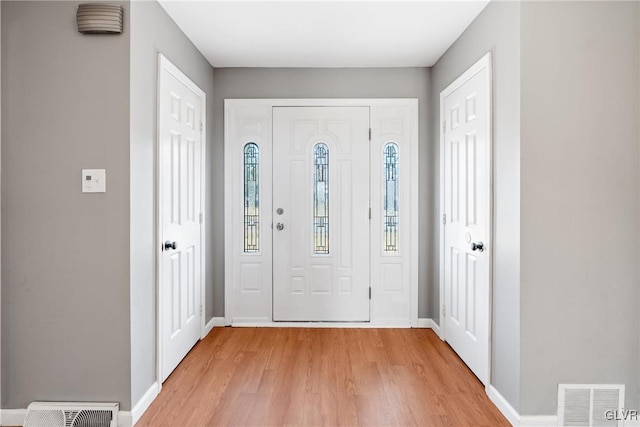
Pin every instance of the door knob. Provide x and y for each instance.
(280, 226)
(477, 247)
(170, 245)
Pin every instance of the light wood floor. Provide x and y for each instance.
(322, 377)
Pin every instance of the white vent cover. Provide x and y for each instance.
(71, 414)
(96, 18)
(590, 405)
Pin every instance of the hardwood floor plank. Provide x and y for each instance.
(322, 377)
(375, 410)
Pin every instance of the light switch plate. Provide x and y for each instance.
(94, 180)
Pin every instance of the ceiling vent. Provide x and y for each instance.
(71, 414)
(97, 18)
(590, 405)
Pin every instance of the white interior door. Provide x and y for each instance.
(321, 214)
(180, 204)
(466, 175)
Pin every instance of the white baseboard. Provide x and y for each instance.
(144, 403)
(124, 419)
(268, 324)
(389, 323)
(209, 327)
(503, 406)
(215, 322)
(429, 324)
(12, 417)
(538, 421)
(514, 417)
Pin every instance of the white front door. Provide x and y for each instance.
(321, 214)
(180, 178)
(466, 175)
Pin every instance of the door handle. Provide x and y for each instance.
(280, 226)
(477, 247)
(170, 245)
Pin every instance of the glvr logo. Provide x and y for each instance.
(622, 415)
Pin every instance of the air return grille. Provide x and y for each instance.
(68, 414)
(590, 405)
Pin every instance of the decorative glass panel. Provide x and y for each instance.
(251, 198)
(321, 199)
(390, 212)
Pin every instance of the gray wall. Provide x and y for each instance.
(580, 198)
(153, 32)
(496, 30)
(65, 257)
(0, 210)
(325, 83)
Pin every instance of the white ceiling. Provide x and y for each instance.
(323, 33)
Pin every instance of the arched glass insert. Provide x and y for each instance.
(321, 199)
(251, 198)
(390, 209)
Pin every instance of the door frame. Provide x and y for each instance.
(263, 108)
(483, 63)
(165, 64)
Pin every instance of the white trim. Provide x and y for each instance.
(203, 212)
(158, 230)
(12, 417)
(514, 417)
(125, 419)
(538, 421)
(423, 323)
(483, 63)
(215, 322)
(325, 102)
(165, 64)
(436, 328)
(319, 325)
(503, 406)
(414, 258)
(145, 401)
(230, 255)
(209, 326)
(428, 323)
(229, 261)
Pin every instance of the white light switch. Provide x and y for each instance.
(94, 181)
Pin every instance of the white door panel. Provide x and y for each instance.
(466, 177)
(321, 238)
(180, 145)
